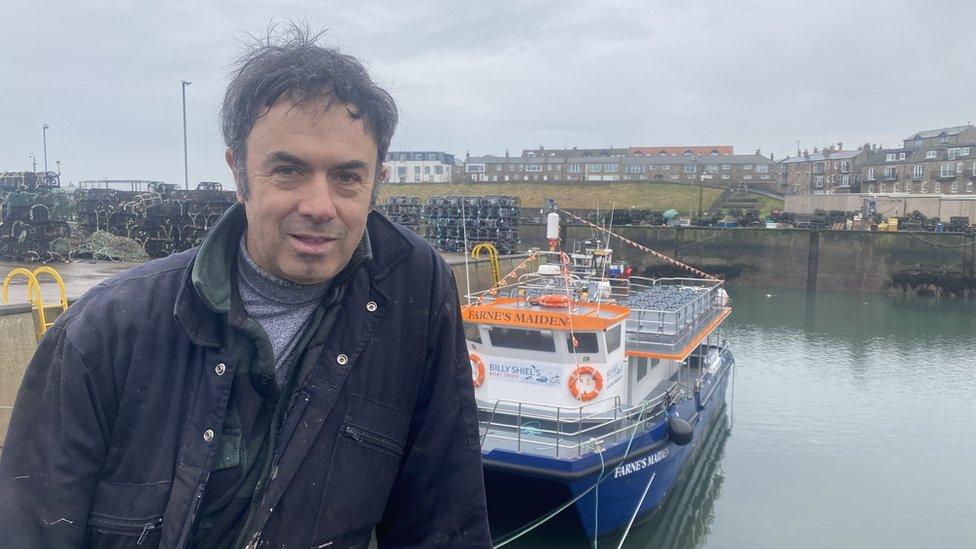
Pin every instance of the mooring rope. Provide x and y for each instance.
(643, 248)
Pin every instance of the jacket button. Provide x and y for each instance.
(342, 360)
(220, 369)
(371, 306)
(208, 435)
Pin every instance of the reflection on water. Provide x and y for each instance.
(850, 425)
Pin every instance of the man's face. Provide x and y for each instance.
(310, 176)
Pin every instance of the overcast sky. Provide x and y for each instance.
(488, 76)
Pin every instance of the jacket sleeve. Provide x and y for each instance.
(54, 450)
(438, 499)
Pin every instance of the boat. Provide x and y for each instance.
(597, 389)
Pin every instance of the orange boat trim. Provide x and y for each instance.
(582, 318)
(691, 344)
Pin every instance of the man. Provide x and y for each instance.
(300, 380)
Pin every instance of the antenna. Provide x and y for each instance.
(467, 272)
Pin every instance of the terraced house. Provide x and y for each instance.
(607, 165)
(419, 166)
(830, 171)
(941, 161)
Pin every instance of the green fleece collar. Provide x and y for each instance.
(213, 267)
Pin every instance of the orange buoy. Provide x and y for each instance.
(477, 370)
(554, 300)
(585, 383)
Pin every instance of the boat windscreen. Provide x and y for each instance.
(515, 338)
(586, 342)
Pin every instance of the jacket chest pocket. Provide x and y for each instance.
(369, 451)
(127, 515)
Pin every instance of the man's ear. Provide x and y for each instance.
(384, 173)
(229, 157)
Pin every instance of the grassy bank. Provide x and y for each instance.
(643, 196)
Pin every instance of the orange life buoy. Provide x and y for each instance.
(477, 370)
(591, 379)
(554, 300)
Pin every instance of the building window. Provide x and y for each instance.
(952, 153)
(943, 139)
(691, 168)
(882, 187)
(918, 143)
(901, 156)
(674, 177)
(474, 168)
(611, 168)
(918, 171)
(726, 176)
(818, 168)
(416, 170)
(969, 186)
(845, 180)
(872, 172)
(573, 168)
(955, 187)
(594, 168)
(747, 166)
(634, 168)
(533, 167)
(938, 186)
(763, 168)
(871, 188)
(426, 170)
(845, 166)
(402, 171)
(711, 168)
(726, 167)
(895, 188)
(818, 181)
(891, 157)
(439, 170)
(964, 151)
(890, 172)
(960, 168)
(925, 187)
(947, 169)
(665, 167)
(929, 155)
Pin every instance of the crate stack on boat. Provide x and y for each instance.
(405, 210)
(491, 219)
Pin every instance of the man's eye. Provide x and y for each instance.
(347, 178)
(286, 171)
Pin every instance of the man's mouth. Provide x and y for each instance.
(312, 244)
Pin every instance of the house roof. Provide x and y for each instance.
(928, 134)
(819, 156)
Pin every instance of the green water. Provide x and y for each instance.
(851, 423)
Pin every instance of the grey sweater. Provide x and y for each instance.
(281, 307)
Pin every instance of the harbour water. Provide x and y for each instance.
(850, 423)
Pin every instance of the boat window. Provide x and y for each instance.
(613, 339)
(641, 368)
(472, 333)
(515, 338)
(586, 342)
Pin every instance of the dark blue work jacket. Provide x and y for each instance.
(117, 422)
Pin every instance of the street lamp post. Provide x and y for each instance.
(44, 129)
(186, 167)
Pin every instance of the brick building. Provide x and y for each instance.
(832, 170)
(726, 170)
(941, 161)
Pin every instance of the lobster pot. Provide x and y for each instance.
(493, 219)
(405, 210)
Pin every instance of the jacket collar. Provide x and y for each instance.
(204, 297)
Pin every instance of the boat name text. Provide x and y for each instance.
(642, 463)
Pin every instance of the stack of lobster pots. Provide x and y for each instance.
(34, 215)
(449, 221)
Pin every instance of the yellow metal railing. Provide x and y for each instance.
(34, 294)
(496, 273)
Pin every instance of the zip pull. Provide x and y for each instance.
(149, 526)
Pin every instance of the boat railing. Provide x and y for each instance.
(560, 431)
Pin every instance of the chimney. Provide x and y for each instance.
(815, 150)
(506, 153)
(772, 157)
(758, 152)
(467, 155)
(840, 146)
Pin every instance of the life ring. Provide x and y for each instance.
(582, 373)
(477, 370)
(554, 300)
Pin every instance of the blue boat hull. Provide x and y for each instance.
(623, 476)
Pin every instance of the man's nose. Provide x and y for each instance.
(317, 201)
